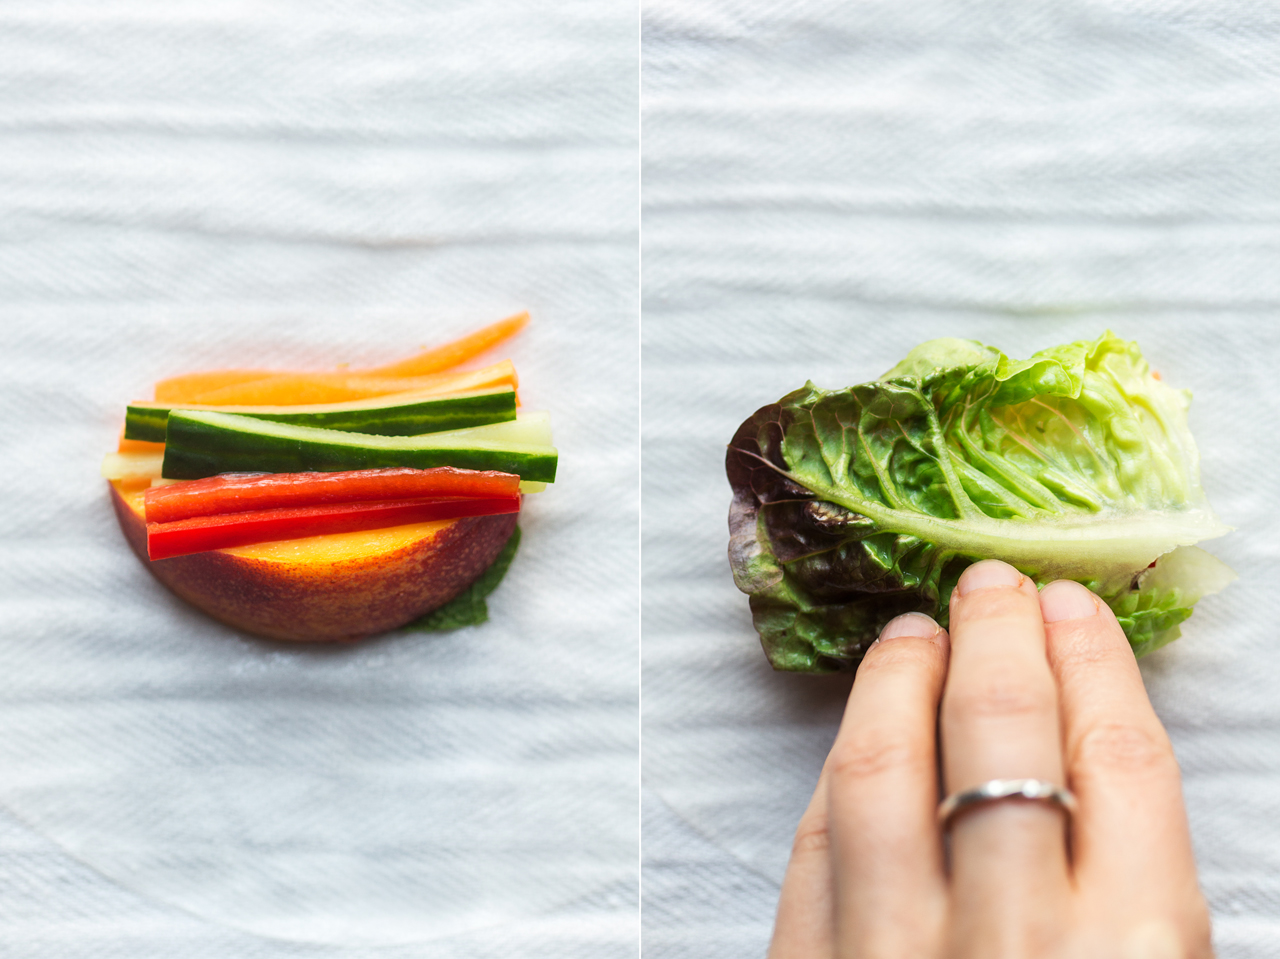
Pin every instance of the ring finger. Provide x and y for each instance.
(999, 720)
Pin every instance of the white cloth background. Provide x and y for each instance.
(827, 184)
(188, 185)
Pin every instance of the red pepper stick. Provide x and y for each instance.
(235, 493)
(202, 533)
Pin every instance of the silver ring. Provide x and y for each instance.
(996, 789)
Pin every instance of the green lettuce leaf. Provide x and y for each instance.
(469, 608)
(853, 506)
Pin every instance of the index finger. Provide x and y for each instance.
(886, 849)
(1130, 833)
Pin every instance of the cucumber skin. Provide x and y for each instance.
(407, 419)
(194, 450)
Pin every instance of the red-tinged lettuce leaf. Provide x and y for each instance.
(853, 506)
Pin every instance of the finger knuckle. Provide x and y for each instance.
(1030, 934)
(994, 604)
(813, 837)
(906, 653)
(1123, 746)
(870, 753)
(1185, 934)
(999, 695)
(1075, 650)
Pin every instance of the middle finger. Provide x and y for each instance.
(1000, 721)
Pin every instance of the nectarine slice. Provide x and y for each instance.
(343, 586)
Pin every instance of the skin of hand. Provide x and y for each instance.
(1036, 685)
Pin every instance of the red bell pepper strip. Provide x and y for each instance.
(235, 493)
(199, 534)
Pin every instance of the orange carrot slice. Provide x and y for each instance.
(459, 351)
(197, 387)
(137, 446)
(293, 389)
(180, 389)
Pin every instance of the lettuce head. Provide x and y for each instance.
(853, 506)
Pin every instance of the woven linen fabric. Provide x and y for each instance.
(190, 186)
(827, 184)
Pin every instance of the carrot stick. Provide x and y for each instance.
(459, 351)
(198, 387)
(137, 446)
(293, 389)
(180, 389)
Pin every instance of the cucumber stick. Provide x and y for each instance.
(123, 466)
(201, 443)
(393, 415)
(528, 429)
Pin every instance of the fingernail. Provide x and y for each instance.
(987, 574)
(1063, 600)
(909, 624)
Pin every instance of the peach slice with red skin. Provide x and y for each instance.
(340, 587)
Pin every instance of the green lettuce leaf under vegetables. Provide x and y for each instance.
(853, 506)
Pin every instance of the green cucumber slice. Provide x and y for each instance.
(201, 443)
(393, 415)
(527, 429)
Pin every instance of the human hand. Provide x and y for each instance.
(1037, 686)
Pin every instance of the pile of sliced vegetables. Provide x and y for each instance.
(236, 457)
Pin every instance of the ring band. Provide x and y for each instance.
(996, 789)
